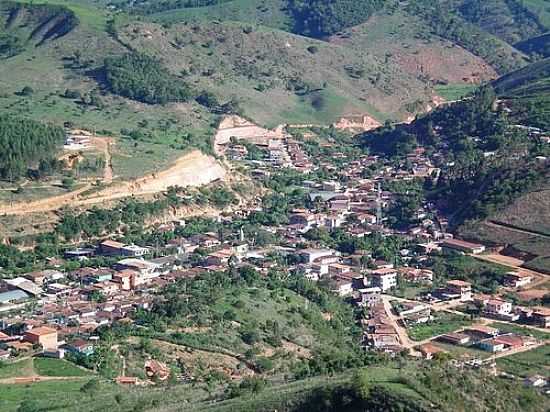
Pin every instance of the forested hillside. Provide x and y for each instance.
(529, 93)
(24, 144)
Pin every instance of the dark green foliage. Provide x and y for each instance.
(24, 144)
(152, 6)
(536, 46)
(521, 82)
(509, 20)
(10, 45)
(143, 78)
(319, 18)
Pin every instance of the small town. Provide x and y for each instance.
(399, 279)
(274, 205)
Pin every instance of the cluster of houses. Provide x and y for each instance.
(501, 309)
(280, 153)
(487, 338)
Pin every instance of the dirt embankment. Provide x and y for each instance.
(192, 169)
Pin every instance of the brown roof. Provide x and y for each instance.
(126, 380)
(510, 340)
(541, 311)
(41, 331)
(112, 243)
(483, 329)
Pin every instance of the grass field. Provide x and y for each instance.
(265, 12)
(57, 367)
(443, 323)
(90, 15)
(452, 92)
(533, 362)
(463, 352)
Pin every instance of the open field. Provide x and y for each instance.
(57, 367)
(45, 367)
(463, 352)
(16, 369)
(453, 92)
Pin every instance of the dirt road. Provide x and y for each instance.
(192, 169)
(406, 342)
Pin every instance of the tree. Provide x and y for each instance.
(362, 384)
(91, 387)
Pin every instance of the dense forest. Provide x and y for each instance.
(25, 144)
(143, 78)
(318, 18)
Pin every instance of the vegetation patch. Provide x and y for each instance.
(526, 364)
(143, 78)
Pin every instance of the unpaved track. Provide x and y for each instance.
(192, 169)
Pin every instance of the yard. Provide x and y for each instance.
(441, 324)
(463, 352)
